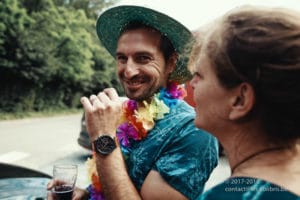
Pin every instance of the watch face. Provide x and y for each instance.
(105, 144)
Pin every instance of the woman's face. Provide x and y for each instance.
(212, 100)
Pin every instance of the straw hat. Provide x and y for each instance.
(111, 23)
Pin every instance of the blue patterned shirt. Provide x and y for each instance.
(182, 154)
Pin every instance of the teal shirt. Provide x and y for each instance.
(246, 188)
(183, 155)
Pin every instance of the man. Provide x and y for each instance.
(158, 153)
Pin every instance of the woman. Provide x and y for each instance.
(247, 93)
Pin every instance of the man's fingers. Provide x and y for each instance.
(86, 104)
(97, 103)
(103, 97)
(112, 94)
(108, 96)
(102, 100)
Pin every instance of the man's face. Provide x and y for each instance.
(141, 66)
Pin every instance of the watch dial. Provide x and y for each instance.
(106, 144)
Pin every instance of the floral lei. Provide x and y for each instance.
(137, 120)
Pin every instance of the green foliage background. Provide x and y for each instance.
(50, 55)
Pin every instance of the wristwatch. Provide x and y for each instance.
(105, 144)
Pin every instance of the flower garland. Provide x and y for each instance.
(137, 120)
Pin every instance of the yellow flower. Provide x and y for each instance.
(151, 112)
(145, 116)
(159, 108)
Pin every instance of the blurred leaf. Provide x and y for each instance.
(51, 47)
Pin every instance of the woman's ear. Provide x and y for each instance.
(243, 100)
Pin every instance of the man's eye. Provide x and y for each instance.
(143, 59)
(121, 59)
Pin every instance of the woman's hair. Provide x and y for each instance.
(261, 46)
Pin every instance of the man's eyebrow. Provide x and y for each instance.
(143, 53)
(137, 53)
(119, 54)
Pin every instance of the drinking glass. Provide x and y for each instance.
(64, 176)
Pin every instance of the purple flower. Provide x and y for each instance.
(94, 195)
(125, 132)
(175, 91)
(131, 105)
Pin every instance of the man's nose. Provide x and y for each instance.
(131, 68)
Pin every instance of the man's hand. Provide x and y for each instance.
(102, 113)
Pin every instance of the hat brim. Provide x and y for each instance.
(111, 23)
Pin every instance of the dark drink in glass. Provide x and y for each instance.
(63, 192)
